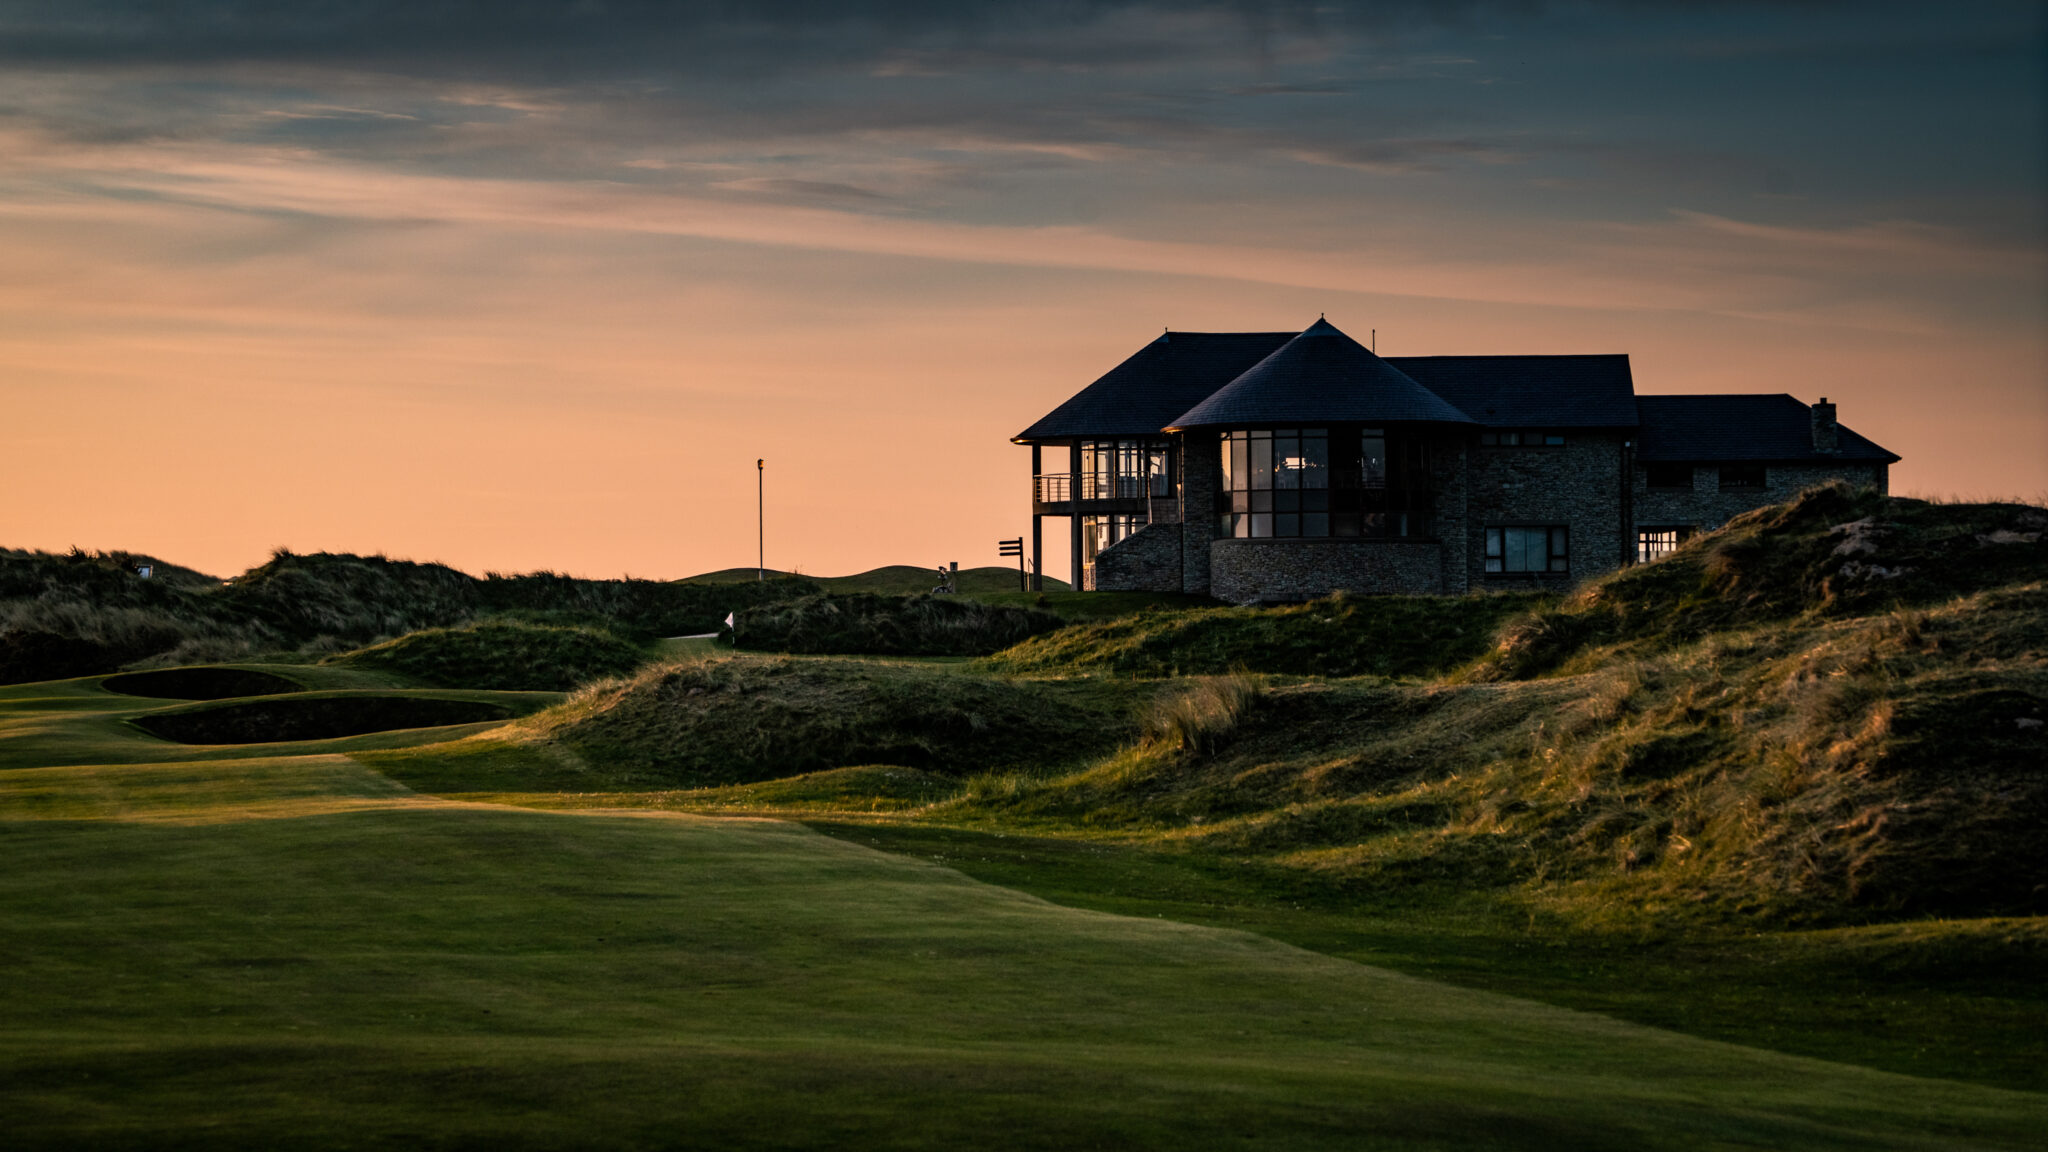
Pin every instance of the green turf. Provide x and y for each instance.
(446, 974)
(286, 949)
(1953, 998)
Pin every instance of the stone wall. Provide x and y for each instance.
(1577, 484)
(1201, 474)
(1704, 506)
(1147, 560)
(1243, 571)
(1449, 463)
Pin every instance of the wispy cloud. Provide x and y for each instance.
(1871, 274)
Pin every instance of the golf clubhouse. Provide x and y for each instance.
(1280, 466)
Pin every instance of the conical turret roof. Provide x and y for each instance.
(1320, 377)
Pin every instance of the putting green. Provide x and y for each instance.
(289, 950)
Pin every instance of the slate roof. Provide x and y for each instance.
(1531, 391)
(1761, 426)
(1320, 377)
(1182, 378)
(1162, 380)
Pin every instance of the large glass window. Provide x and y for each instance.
(1321, 482)
(1125, 469)
(1532, 549)
(1158, 471)
(1099, 532)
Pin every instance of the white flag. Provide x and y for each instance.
(728, 621)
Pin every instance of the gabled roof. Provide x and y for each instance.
(1740, 426)
(1531, 391)
(1162, 380)
(1320, 377)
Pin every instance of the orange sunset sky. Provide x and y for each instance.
(535, 291)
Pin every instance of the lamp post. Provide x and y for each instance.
(761, 520)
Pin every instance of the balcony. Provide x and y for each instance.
(1057, 487)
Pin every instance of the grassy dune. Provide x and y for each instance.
(863, 623)
(889, 580)
(739, 719)
(292, 951)
(502, 654)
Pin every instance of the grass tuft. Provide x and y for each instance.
(1200, 716)
(1403, 636)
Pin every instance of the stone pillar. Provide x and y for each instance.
(1451, 473)
(1037, 523)
(1074, 521)
(1200, 475)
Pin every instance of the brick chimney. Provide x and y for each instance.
(1826, 441)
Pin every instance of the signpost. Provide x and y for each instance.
(1015, 548)
(761, 519)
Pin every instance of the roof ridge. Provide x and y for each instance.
(1511, 356)
(1711, 395)
(1321, 376)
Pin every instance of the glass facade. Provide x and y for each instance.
(1099, 532)
(1126, 470)
(1287, 483)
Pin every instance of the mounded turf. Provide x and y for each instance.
(507, 654)
(290, 950)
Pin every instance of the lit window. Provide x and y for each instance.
(1535, 549)
(1657, 543)
(1098, 533)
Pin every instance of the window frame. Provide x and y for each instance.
(1740, 474)
(1102, 531)
(1348, 482)
(1651, 471)
(1521, 438)
(1127, 468)
(1496, 552)
(1649, 551)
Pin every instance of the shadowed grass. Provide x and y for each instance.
(1339, 636)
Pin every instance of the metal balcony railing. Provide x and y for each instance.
(1057, 487)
